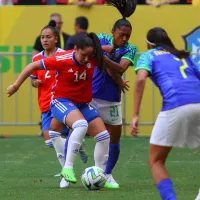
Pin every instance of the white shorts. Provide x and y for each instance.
(178, 127)
(110, 112)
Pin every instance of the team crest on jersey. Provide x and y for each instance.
(192, 44)
(71, 104)
(88, 65)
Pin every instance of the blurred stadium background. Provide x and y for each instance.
(20, 25)
(27, 166)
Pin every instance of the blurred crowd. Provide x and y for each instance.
(89, 3)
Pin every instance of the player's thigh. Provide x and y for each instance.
(65, 111)
(110, 112)
(157, 153)
(96, 124)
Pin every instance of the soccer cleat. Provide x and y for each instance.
(110, 182)
(68, 175)
(83, 156)
(198, 197)
(64, 183)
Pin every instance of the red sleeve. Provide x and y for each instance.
(53, 63)
(34, 74)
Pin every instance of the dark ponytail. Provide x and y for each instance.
(125, 7)
(92, 40)
(52, 25)
(158, 37)
(98, 50)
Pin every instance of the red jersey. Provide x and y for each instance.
(48, 80)
(74, 81)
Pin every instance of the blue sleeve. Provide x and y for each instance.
(145, 61)
(69, 44)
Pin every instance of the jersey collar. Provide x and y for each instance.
(51, 55)
(75, 61)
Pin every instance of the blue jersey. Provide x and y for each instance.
(177, 79)
(103, 86)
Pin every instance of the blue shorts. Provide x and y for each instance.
(61, 107)
(46, 122)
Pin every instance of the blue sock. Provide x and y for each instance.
(114, 152)
(66, 143)
(166, 190)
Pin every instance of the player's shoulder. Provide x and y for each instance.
(130, 47)
(103, 36)
(38, 56)
(64, 52)
(64, 55)
(60, 50)
(147, 55)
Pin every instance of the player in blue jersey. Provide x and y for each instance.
(177, 124)
(106, 86)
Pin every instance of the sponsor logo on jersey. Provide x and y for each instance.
(192, 44)
(88, 65)
(71, 104)
(70, 70)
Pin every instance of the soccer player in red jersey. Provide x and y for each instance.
(44, 81)
(70, 97)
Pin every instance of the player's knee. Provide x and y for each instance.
(49, 143)
(81, 124)
(103, 136)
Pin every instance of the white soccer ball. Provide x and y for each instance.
(93, 178)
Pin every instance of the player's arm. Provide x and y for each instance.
(117, 76)
(126, 61)
(116, 67)
(52, 63)
(23, 76)
(143, 69)
(35, 82)
(122, 84)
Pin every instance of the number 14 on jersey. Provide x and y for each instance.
(81, 76)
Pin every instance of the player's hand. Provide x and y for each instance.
(11, 90)
(124, 86)
(37, 83)
(134, 126)
(108, 48)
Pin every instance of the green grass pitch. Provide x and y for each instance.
(27, 169)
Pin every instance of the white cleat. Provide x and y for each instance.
(198, 197)
(110, 182)
(64, 183)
